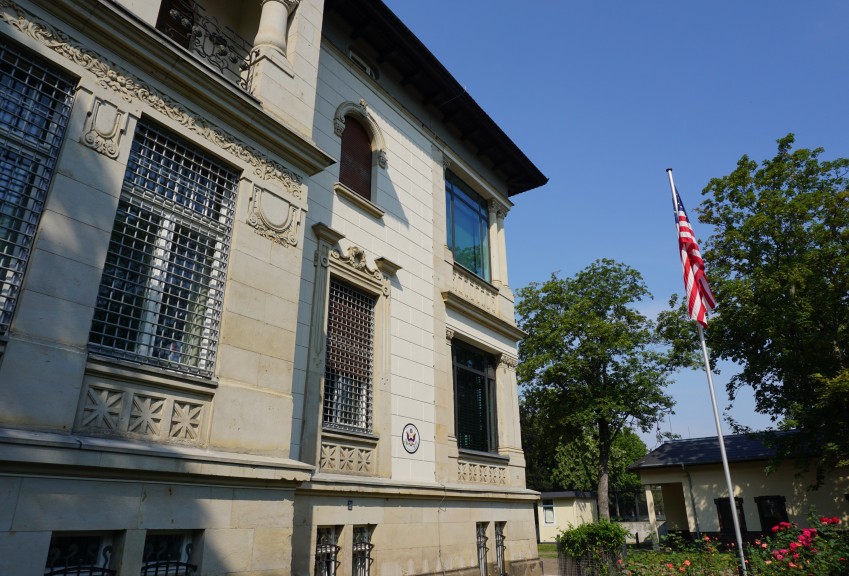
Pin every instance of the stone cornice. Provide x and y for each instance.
(179, 72)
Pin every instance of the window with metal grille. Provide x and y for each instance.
(474, 402)
(500, 548)
(467, 225)
(361, 551)
(168, 554)
(326, 551)
(160, 296)
(482, 549)
(355, 165)
(80, 554)
(35, 102)
(347, 403)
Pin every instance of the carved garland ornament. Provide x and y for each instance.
(273, 217)
(355, 257)
(109, 76)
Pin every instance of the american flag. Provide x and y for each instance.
(700, 299)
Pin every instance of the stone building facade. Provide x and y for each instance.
(254, 308)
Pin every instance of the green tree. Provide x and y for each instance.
(779, 265)
(590, 363)
(576, 462)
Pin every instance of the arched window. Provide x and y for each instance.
(355, 166)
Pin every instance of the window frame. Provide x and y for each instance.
(360, 114)
(767, 506)
(548, 506)
(327, 552)
(352, 160)
(181, 565)
(489, 385)
(481, 539)
(723, 515)
(361, 548)
(158, 302)
(459, 196)
(47, 93)
(106, 545)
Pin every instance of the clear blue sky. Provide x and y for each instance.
(603, 96)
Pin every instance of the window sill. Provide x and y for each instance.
(358, 201)
(477, 455)
(349, 436)
(126, 370)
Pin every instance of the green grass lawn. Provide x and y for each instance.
(547, 550)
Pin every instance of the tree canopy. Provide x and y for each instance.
(590, 363)
(778, 262)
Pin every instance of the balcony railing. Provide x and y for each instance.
(187, 23)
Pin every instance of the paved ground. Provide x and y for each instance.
(549, 566)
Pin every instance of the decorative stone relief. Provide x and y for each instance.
(273, 217)
(133, 410)
(355, 258)
(473, 472)
(104, 126)
(351, 459)
(449, 336)
(186, 421)
(110, 76)
(508, 361)
(474, 291)
(146, 415)
(102, 408)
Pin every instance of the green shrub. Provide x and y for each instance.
(600, 543)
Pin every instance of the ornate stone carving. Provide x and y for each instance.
(449, 335)
(102, 408)
(474, 291)
(146, 415)
(110, 76)
(473, 472)
(350, 459)
(355, 257)
(274, 217)
(186, 420)
(508, 361)
(134, 409)
(104, 126)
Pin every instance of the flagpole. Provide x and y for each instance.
(717, 420)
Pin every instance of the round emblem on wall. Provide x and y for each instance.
(410, 438)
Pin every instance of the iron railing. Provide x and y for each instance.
(188, 24)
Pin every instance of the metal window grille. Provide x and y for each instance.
(160, 295)
(35, 102)
(79, 555)
(167, 555)
(362, 551)
(482, 549)
(326, 552)
(500, 548)
(347, 403)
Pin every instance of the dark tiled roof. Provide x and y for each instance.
(738, 448)
(566, 494)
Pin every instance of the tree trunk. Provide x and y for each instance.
(604, 442)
